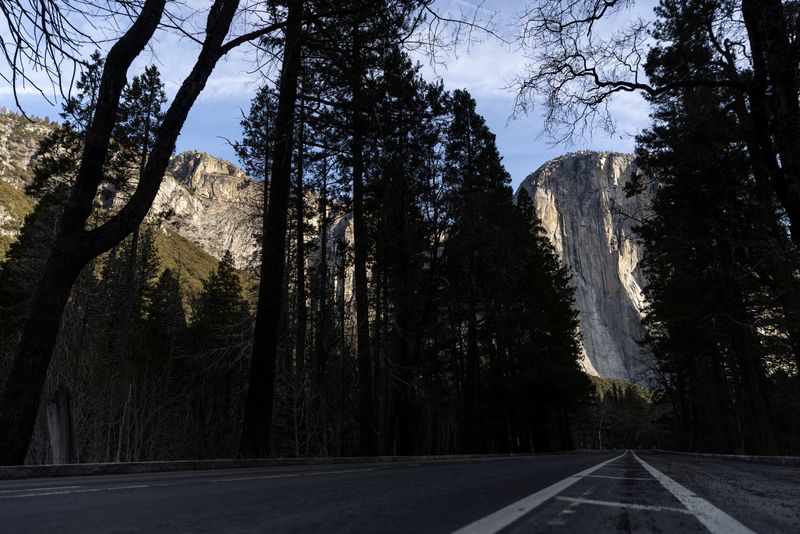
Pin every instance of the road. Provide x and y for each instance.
(579, 492)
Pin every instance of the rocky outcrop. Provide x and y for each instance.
(204, 199)
(213, 203)
(580, 199)
(19, 141)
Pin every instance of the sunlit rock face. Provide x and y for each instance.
(580, 199)
(19, 141)
(211, 202)
(205, 199)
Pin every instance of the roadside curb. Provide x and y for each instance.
(122, 468)
(772, 460)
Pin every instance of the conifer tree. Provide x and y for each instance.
(139, 118)
(219, 332)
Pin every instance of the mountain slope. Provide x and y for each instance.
(204, 207)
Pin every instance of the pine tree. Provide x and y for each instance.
(547, 377)
(478, 199)
(165, 319)
(397, 186)
(139, 117)
(255, 148)
(219, 331)
(58, 154)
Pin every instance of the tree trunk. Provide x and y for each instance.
(19, 404)
(302, 312)
(123, 340)
(775, 61)
(770, 184)
(23, 389)
(257, 425)
(322, 327)
(468, 442)
(747, 353)
(367, 436)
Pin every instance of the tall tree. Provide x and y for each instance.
(257, 428)
(138, 120)
(219, 328)
(478, 187)
(75, 246)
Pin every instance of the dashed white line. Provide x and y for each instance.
(619, 478)
(632, 506)
(505, 516)
(714, 519)
(615, 468)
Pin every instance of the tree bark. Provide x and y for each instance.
(470, 379)
(366, 423)
(774, 61)
(257, 426)
(322, 328)
(302, 312)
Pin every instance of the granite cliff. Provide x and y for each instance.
(206, 201)
(210, 202)
(580, 199)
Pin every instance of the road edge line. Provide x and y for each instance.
(162, 466)
(714, 519)
(504, 517)
(766, 460)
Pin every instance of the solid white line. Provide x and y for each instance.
(92, 490)
(37, 489)
(49, 491)
(320, 473)
(260, 477)
(714, 519)
(630, 505)
(505, 516)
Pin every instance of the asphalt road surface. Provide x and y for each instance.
(591, 492)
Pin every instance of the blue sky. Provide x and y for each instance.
(484, 68)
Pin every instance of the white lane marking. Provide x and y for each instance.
(619, 478)
(37, 489)
(615, 468)
(630, 505)
(91, 490)
(49, 491)
(338, 472)
(714, 519)
(264, 477)
(505, 516)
